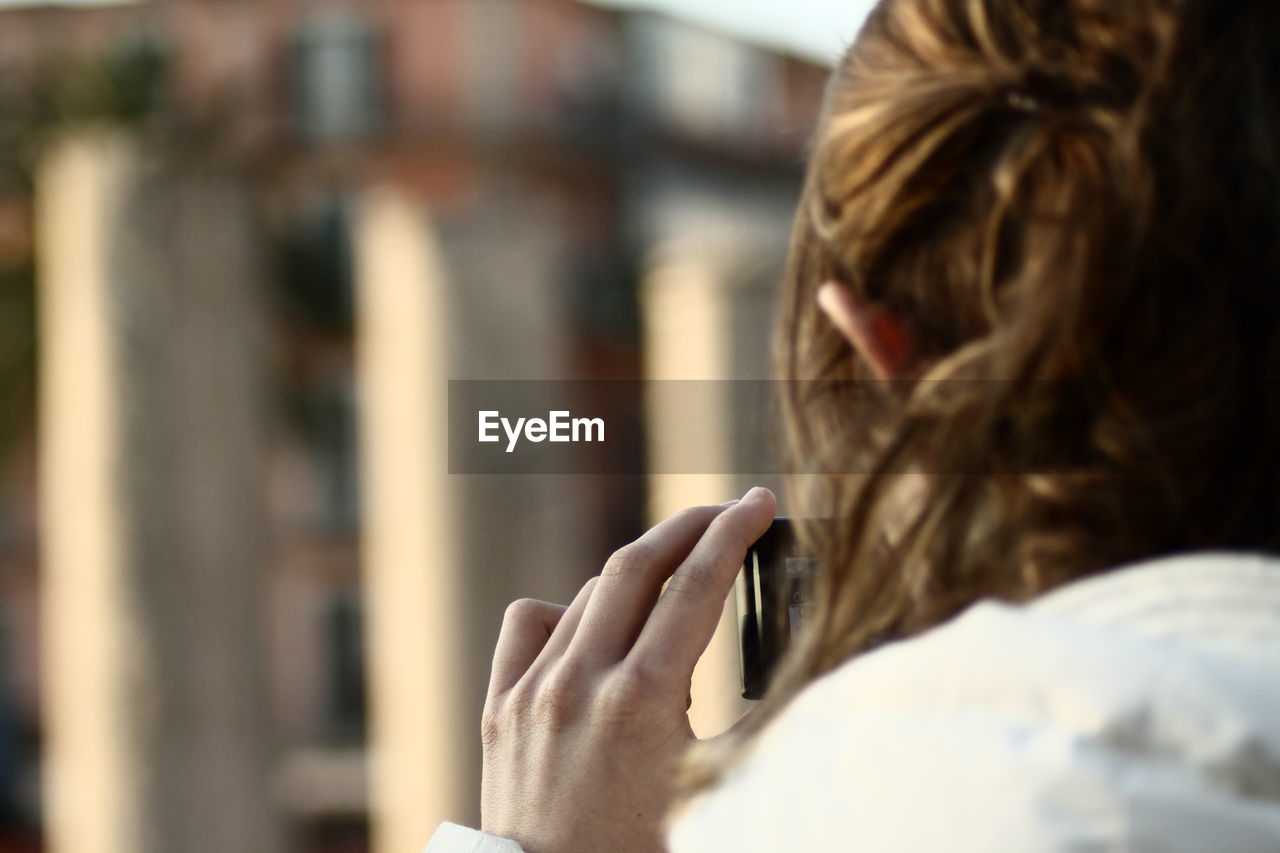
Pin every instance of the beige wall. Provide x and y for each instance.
(153, 553)
(412, 576)
(694, 324)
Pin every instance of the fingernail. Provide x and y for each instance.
(730, 503)
(755, 494)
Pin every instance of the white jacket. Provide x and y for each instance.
(1135, 711)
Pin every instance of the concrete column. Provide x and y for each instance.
(91, 779)
(480, 299)
(153, 554)
(418, 730)
(686, 305)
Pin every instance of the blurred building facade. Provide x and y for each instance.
(563, 160)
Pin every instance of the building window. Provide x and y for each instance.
(701, 83)
(13, 762)
(329, 424)
(344, 659)
(317, 265)
(337, 77)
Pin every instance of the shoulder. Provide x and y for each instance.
(1140, 709)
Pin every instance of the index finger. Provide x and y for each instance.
(685, 617)
(632, 581)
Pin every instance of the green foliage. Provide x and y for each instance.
(17, 351)
(124, 85)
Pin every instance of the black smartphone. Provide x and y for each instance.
(774, 597)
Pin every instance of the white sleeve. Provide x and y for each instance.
(1008, 731)
(452, 838)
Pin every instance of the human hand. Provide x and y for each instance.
(585, 721)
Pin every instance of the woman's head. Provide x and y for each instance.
(1069, 211)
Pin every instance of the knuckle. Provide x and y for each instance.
(560, 698)
(521, 611)
(629, 691)
(628, 560)
(516, 705)
(693, 579)
(492, 724)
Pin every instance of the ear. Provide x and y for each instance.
(878, 335)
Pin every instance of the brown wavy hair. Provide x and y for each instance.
(1074, 207)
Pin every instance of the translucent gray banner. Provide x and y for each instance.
(613, 427)
(733, 427)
